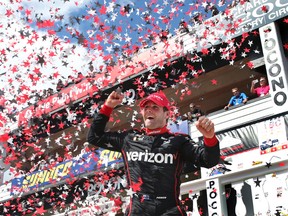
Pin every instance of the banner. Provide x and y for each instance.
(256, 13)
(276, 66)
(122, 70)
(263, 135)
(246, 16)
(67, 170)
(254, 141)
(272, 135)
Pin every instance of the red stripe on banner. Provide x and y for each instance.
(85, 88)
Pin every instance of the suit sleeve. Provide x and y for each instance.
(98, 137)
(207, 155)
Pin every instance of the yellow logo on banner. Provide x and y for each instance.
(44, 176)
(111, 155)
(61, 171)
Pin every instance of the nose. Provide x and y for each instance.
(148, 109)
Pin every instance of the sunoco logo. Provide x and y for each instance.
(150, 157)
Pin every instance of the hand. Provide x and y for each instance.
(205, 127)
(254, 82)
(226, 107)
(114, 99)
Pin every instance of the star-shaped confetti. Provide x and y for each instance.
(257, 182)
(56, 57)
(268, 165)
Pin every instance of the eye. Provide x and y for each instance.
(146, 107)
(155, 107)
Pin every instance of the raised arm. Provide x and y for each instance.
(96, 134)
(206, 155)
(252, 89)
(211, 144)
(114, 99)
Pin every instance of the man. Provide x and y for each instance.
(262, 90)
(237, 98)
(194, 113)
(154, 157)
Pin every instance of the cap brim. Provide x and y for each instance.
(143, 102)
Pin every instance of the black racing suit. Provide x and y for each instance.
(153, 164)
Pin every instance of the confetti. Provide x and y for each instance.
(53, 53)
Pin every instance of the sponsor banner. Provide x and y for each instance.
(58, 100)
(276, 66)
(214, 195)
(81, 165)
(233, 22)
(252, 142)
(272, 135)
(123, 70)
(254, 14)
(265, 135)
(116, 182)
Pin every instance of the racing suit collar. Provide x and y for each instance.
(156, 131)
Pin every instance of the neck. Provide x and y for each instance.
(156, 131)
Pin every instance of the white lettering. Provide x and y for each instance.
(116, 183)
(140, 155)
(252, 16)
(54, 100)
(258, 12)
(257, 22)
(249, 6)
(77, 90)
(279, 13)
(129, 96)
(159, 157)
(279, 3)
(150, 157)
(134, 156)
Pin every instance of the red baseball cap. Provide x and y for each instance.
(158, 98)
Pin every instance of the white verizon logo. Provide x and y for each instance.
(150, 157)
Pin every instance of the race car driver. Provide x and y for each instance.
(154, 157)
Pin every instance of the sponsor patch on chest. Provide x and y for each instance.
(151, 157)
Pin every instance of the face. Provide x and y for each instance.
(154, 116)
(192, 106)
(235, 92)
(262, 81)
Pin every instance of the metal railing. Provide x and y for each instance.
(254, 110)
(234, 178)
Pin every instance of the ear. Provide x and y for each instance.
(167, 114)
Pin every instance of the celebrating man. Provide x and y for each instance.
(154, 157)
